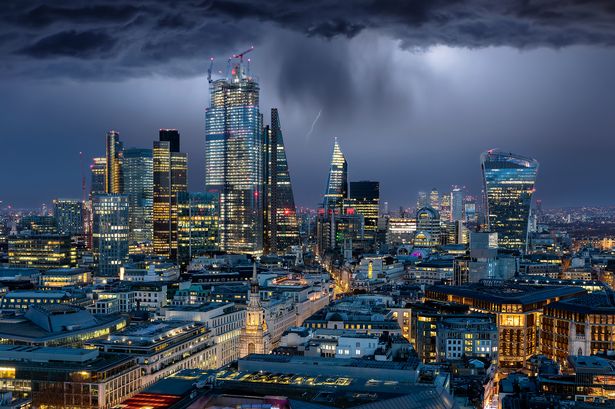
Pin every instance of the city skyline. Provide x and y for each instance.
(493, 91)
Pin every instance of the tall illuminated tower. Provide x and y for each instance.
(139, 187)
(281, 225)
(98, 172)
(509, 181)
(434, 199)
(170, 178)
(113, 174)
(456, 204)
(337, 182)
(365, 200)
(234, 159)
(110, 232)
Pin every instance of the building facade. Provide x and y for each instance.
(197, 225)
(110, 231)
(139, 187)
(509, 181)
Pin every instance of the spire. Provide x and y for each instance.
(254, 272)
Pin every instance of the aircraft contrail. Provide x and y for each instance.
(313, 124)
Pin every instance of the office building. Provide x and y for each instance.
(197, 225)
(234, 160)
(113, 173)
(36, 224)
(421, 200)
(365, 200)
(428, 228)
(42, 251)
(517, 308)
(65, 277)
(170, 178)
(457, 204)
(337, 182)
(281, 224)
(445, 207)
(466, 337)
(171, 136)
(69, 216)
(434, 199)
(98, 174)
(509, 181)
(139, 187)
(400, 231)
(55, 377)
(110, 233)
(578, 326)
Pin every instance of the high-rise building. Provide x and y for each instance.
(234, 160)
(428, 228)
(421, 200)
(171, 136)
(170, 169)
(445, 207)
(456, 204)
(434, 199)
(113, 174)
(197, 224)
(110, 232)
(69, 216)
(98, 170)
(365, 200)
(281, 225)
(509, 181)
(337, 182)
(138, 170)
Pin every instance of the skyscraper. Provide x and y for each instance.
(234, 160)
(421, 200)
(171, 136)
(365, 200)
(113, 174)
(139, 187)
(445, 207)
(509, 181)
(110, 232)
(69, 216)
(337, 182)
(456, 204)
(197, 224)
(281, 225)
(98, 170)
(170, 169)
(434, 199)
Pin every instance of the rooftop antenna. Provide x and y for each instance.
(211, 66)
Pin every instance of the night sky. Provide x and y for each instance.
(414, 90)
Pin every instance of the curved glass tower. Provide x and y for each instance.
(509, 181)
(234, 161)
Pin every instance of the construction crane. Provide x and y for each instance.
(240, 55)
(82, 166)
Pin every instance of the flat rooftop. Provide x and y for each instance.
(507, 293)
(594, 303)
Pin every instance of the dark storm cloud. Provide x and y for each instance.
(72, 44)
(142, 32)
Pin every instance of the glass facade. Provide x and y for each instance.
(197, 224)
(234, 160)
(44, 251)
(509, 184)
(337, 183)
(69, 216)
(170, 178)
(98, 172)
(110, 232)
(139, 187)
(113, 174)
(282, 227)
(365, 200)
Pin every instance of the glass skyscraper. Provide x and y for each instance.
(337, 182)
(365, 200)
(69, 216)
(170, 178)
(234, 160)
(113, 175)
(197, 224)
(456, 204)
(110, 232)
(509, 181)
(138, 174)
(281, 225)
(98, 171)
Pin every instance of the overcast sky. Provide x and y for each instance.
(413, 90)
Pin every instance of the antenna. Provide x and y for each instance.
(211, 66)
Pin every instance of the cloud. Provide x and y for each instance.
(71, 43)
(164, 36)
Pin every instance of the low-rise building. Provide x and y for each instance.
(65, 277)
